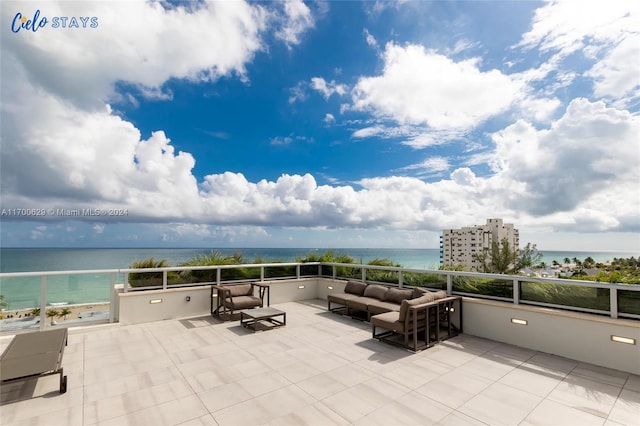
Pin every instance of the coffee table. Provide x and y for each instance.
(261, 319)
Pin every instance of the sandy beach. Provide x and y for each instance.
(77, 312)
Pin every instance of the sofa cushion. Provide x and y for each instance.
(388, 321)
(420, 291)
(397, 295)
(360, 303)
(439, 294)
(378, 307)
(404, 307)
(375, 291)
(341, 298)
(239, 290)
(355, 287)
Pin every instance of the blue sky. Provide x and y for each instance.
(319, 124)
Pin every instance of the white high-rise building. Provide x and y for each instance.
(458, 246)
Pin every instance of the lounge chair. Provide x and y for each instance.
(35, 354)
(236, 297)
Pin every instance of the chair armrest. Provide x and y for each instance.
(221, 289)
(261, 285)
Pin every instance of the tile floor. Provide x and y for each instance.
(321, 369)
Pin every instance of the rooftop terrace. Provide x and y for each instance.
(320, 369)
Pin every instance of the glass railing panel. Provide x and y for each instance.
(382, 276)
(312, 270)
(191, 276)
(565, 295)
(492, 287)
(275, 272)
(629, 302)
(431, 280)
(349, 273)
(145, 279)
(19, 293)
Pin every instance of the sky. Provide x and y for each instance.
(324, 124)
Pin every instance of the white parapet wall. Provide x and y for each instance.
(155, 305)
(583, 337)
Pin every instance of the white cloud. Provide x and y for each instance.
(606, 33)
(432, 164)
(370, 39)
(328, 89)
(329, 118)
(578, 160)
(617, 75)
(298, 19)
(221, 38)
(425, 88)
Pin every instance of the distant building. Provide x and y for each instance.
(458, 246)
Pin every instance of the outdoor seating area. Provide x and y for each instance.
(321, 369)
(414, 318)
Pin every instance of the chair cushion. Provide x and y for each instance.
(404, 307)
(240, 290)
(397, 295)
(242, 302)
(375, 291)
(355, 287)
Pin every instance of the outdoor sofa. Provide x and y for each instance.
(413, 317)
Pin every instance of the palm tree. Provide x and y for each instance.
(567, 261)
(64, 312)
(52, 313)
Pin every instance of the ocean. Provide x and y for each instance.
(22, 293)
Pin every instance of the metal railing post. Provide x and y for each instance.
(613, 302)
(298, 271)
(126, 282)
(164, 280)
(334, 271)
(449, 285)
(43, 302)
(261, 273)
(364, 273)
(218, 275)
(112, 297)
(516, 291)
(400, 282)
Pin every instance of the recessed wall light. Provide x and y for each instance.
(300, 286)
(620, 339)
(154, 301)
(329, 288)
(519, 321)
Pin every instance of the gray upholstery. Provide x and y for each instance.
(397, 295)
(404, 307)
(388, 321)
(378, 307)
(375, 291)
(242, 302)
(341, 298)
(360, 303)
(355, 287)
(240, 290)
